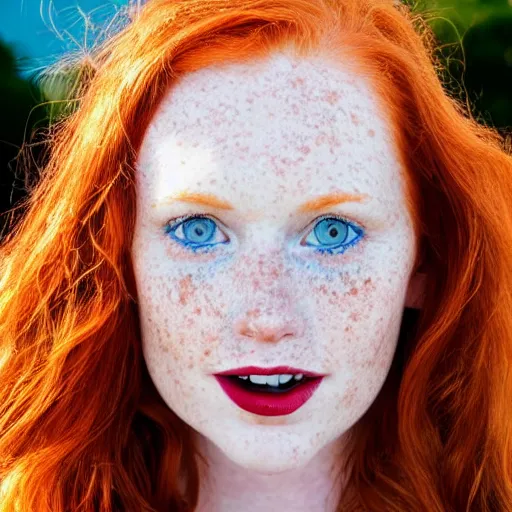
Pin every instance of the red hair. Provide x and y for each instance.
(82, 427)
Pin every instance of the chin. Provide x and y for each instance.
(269, 461)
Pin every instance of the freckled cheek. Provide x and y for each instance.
(181, 317)
(358, 323)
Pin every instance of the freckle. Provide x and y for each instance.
(331, 97)
(354, 316)
(353, 291)
(185, 290)
(274, 273)
(305, 150)
(254, 313)
(165, 349)
(197, 311)
(371, 133)
(211, 338)
(349, 397)
(368, 281)
(207, 352)
(354, 118)
(297, 81)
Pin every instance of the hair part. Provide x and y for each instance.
(83, 428)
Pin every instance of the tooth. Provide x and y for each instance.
(283, 379)
(244, 377)
(299, 376)
(273, 380)
(258, 379)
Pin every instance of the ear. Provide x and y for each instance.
(416, 290)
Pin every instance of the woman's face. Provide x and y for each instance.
(267, 138)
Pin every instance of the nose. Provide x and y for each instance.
(269, 310)
(266, 329)
(274, 318)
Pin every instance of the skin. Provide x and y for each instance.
(268, 136)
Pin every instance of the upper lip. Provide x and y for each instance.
(255, 370)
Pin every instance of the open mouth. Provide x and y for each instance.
(266, 399)
(269, 399)
(247, 385)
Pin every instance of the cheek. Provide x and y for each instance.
(359, 322)
(178, 314)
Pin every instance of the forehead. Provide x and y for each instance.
(284, 125)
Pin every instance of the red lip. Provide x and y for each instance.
(255, 370)
(266, 404)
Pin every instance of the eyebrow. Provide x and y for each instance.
(313, 205)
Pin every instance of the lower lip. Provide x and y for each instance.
(267, 404)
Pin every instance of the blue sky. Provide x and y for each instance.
(40, 30)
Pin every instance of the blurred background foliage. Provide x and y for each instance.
(474, 44)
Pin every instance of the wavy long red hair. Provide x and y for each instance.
(83, 429)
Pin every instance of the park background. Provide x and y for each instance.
(474, 45)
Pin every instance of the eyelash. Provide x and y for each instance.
(173, 224)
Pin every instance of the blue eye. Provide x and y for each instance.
(197, 229)
(334, 233)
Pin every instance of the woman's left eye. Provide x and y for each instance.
(336, 233)
(196, 232)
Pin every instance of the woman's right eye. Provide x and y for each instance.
(199, 232)
(196, 232)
